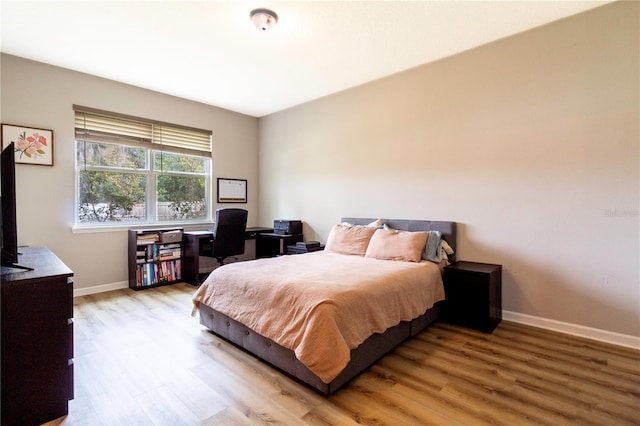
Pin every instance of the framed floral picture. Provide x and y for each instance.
(31, 145)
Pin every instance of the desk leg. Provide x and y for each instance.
(191, 260)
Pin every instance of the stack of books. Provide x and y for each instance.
(148, 238)
(304, 247)
(308, 244)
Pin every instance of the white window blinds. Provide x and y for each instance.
(102, 126)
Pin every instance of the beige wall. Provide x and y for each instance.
(39, 95)
(530, 143)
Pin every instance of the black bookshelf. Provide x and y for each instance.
(155, 257)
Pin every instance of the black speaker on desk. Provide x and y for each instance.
(287, 227)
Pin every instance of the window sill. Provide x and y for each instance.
(191, 226)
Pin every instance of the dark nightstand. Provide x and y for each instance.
(473, 293)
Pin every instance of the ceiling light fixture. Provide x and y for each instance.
(264, 19)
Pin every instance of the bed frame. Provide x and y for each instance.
(370, 351)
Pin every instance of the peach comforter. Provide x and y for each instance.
(321, 305)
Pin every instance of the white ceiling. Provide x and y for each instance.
(210, 52)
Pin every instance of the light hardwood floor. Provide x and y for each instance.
(141, 359)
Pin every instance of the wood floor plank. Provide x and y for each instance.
(435, 407)
(141, 359)
(163, 407)
(202, 400)
(233, 415)
(328, 414)
(362, 405)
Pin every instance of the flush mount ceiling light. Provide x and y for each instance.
(264, 19)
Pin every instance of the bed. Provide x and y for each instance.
(315, 341)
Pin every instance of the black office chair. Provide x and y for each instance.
(228, 233)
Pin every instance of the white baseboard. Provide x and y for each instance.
(574, 329)
(83, 291)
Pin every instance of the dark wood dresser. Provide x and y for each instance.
(36, 320)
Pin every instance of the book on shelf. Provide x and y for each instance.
(158, 273)
(169, 257)
(145, 242)
(169, 252)
(147, 235)
(153, 252)
(171, 245)
(151, 238)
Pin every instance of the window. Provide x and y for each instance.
(133, 171)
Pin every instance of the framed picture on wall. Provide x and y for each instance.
(232, 190)
(31, 145)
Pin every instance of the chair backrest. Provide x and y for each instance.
(228, 232)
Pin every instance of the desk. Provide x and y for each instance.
(199, 243)
(269, 244)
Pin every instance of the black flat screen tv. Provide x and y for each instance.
(8, 221)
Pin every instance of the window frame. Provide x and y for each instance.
(152, 143)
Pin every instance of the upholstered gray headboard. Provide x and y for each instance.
(447, 229)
